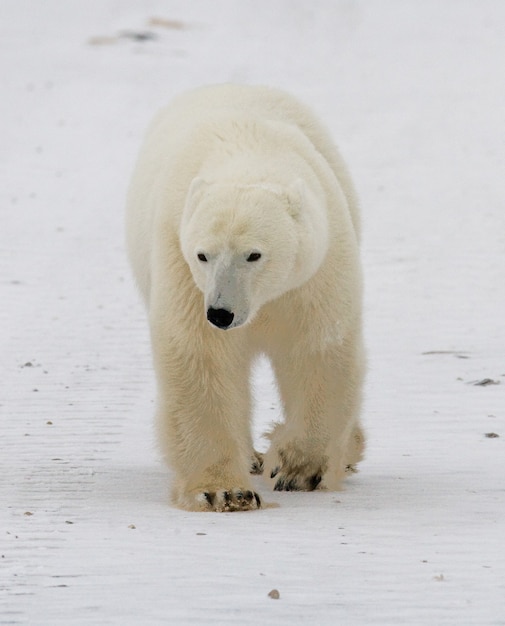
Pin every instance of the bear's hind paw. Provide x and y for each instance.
(256, 463)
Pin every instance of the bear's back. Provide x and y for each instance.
(228, 100)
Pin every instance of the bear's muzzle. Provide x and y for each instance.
(222, 318)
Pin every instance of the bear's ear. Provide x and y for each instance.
(198, 184)
(296, 197)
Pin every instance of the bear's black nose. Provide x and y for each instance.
(220, 317)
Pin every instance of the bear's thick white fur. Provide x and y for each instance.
(241, 210)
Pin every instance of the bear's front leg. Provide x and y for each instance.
(203, 419)
(321, 438)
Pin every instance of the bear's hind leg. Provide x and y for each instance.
(356, 450)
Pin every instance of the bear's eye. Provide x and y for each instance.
(202, 257)
(254, 256)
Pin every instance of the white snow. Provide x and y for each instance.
(414, 94)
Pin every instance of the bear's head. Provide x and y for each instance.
(248, 244)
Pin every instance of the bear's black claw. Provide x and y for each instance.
(286, 485)
(314, 481)
(209, 497)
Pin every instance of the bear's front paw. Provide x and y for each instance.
(291, 470)
(222, 500)
(295, 480)
(230, 500)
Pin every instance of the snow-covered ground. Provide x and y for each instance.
(414, 94)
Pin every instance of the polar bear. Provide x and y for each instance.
(243, 235)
